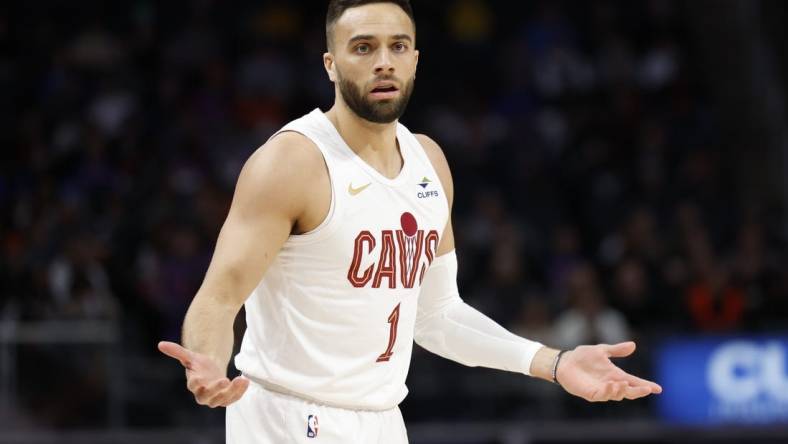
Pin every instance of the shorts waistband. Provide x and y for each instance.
(300, 396)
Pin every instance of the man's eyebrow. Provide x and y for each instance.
(361, 37)
(372, 37)
(402, 37)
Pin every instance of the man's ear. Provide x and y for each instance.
(329, 65)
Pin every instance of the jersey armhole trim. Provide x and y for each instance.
(323, 228)
(422, 153)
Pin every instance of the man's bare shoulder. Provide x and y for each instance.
(280, 173)
(439, 162)
(287, 152)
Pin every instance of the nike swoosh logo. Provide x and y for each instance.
(354, 191)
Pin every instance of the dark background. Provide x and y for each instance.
(617, 164)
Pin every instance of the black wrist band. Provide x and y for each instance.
(555, 366)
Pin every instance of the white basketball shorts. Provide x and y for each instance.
(263, 416)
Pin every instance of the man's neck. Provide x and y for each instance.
(375, 143)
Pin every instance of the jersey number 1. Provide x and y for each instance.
(393, 320)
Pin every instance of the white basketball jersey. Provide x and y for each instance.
(333, 318)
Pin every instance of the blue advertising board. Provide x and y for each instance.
(715, 380)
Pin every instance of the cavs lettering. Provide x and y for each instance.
(404, 253)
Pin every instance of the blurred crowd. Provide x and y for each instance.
(593, 201)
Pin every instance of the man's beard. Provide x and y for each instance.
(378, 111)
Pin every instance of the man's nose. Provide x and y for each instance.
(383, 63)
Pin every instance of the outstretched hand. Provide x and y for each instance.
(205, 378)
(587, 372)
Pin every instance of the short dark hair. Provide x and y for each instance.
(337, 7)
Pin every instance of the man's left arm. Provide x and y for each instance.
(447, 326)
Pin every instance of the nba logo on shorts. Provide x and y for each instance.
(311, 426)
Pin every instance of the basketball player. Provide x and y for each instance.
(339, 243)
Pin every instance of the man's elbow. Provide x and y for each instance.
(226, 291)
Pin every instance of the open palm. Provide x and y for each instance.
(587, 372)
(205, 378)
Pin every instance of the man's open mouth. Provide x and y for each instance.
(389, 88)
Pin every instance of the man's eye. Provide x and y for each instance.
(400, 47)
(362, 49)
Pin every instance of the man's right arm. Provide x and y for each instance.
(269, 199)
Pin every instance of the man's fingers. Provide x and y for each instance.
(610, 391)
(634, 381)
(614, 391)
(242, 385)
(602, 393)
(621, 349)
(219, 398)
(194, 382)
(218, 393)
(207, 389)
(175, 351)
(618, 391)
(621, 391)
(636, 392)
(231, 393)
(235, 391)
(203, 393)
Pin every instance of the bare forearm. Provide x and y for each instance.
(208, 328)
